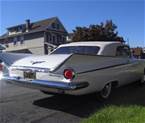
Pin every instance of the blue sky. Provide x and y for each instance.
(128, 15)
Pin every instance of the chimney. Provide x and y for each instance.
(28, 25)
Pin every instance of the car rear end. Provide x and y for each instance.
(42, 75)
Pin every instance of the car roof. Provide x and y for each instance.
(91, 43)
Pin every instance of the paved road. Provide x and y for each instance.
(22, 105)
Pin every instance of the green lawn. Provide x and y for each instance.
(118, 114)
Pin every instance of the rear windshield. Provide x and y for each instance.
(89, 50)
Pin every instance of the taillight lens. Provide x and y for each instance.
(69, 74)
(1, 67)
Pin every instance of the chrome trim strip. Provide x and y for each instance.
(41, 84)
(107, 67)
(32, 69)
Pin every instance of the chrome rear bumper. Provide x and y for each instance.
(44, 84)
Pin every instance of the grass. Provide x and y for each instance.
(118, 114)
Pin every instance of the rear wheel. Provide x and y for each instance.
(105, 92)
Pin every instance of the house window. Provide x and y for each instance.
(15, 41)
(53, 38)
(6, 41)
(21, 40)
(53, 25)
(18, 38)
(48, 39)
(58, 27)
(45, 48)
(63, 39)
(59, 39)
(19, 29)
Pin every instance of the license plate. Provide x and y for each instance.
(29, 75)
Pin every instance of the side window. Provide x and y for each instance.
(123, 51)
(91, 50)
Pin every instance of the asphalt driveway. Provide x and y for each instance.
(22, 105)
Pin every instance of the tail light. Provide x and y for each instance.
(69, 74)
(1, 67)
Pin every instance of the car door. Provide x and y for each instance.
(127, 71)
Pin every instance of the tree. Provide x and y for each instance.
(100, 32)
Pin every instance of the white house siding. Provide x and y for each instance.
(36, 45)
(37, 50)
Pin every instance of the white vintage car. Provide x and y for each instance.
(75, 68)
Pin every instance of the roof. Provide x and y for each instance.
(36, 26)
(91, 43)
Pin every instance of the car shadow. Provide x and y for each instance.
(83, 106)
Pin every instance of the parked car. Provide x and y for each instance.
(76, 69)
(2, 48)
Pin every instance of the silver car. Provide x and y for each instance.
(76, 69)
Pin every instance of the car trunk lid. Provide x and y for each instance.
(46, 61)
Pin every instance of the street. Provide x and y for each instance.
(23, 105)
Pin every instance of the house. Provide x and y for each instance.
(137, 52)
(35, 37)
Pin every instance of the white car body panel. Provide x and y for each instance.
(48, 61)
(93, 72)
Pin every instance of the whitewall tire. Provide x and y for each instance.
(105, 92)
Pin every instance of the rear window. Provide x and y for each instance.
(123, 51)
(88, 50)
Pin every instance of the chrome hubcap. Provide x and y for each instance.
(106, 91)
